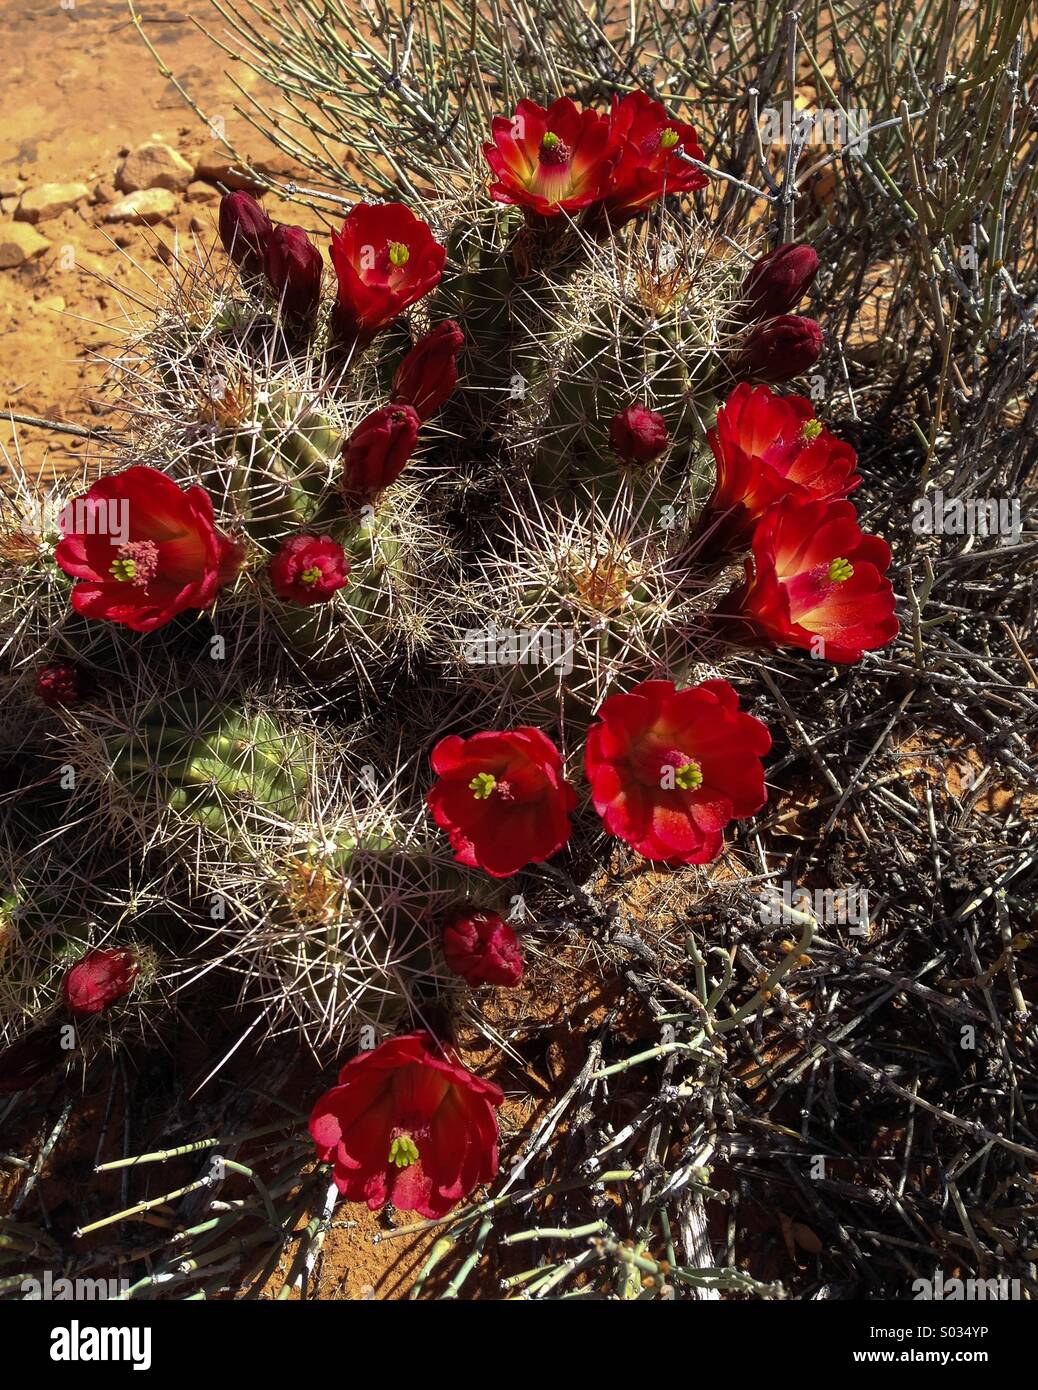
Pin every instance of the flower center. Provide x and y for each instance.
(689, 776)
(137, 563)
(403, 1151)
(399, 254)
(668, 139)
(482, 785)
(311, 576)
(553, 149)
(840, 570)
(811, 429)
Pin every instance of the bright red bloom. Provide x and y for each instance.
(482, 948)
(385, 259)
(408, 1124)
(63, 683)
(670, 768)
(245, 230)
(429, 372)
(98, 980)
(309, 569)
(778, 281)
(816, 581)
(376, 452)
(649, 162)
(780, 349)
(502, 798)
(638, 434)
(552, 160)
(293, 265)
(766, 447)
(144, 549)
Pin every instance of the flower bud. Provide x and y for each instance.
(429, 372)
(293, 265)
(63, 683)
(779, 349)
(309, 569)
(482, 948)
(638, 434)
(777, 282)
(245, 230)
(98, 980)
(378, 449)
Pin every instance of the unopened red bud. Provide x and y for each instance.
(245, 230)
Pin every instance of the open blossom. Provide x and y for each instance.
(550, 161)
(408, 1124)
(293, 265)
(144, 549)
(638, 434)
(815, 581)
(429, 373)
(378, 449)
(97, 980)
(779, 349)
(309, 569)
(385, 259)
(649, 163)
(777, 282)
(669, 768)
(482, 948)
(502, 798)
(765, 447)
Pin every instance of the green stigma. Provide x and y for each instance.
(311, 576)
(668, 139)
(123, 569)
(549, 140)
(403, 1151)
(482, 785)
(399, 254)
(689, 776)
(840, 570)
(811, 429)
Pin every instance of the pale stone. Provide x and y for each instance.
(50, 200)
(19, 243)
(200, 192)
(154, 165)
(147, 205)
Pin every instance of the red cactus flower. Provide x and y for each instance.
(376, 452)
(385, 259)
(408, 1124)
(502, 798)
(309, 569)
(144, 549)
(670, 768)
(766, 447)
(638, 434)
(98, 980)
(293, 265)
(482, 948)
(245, 230)
(550, 161)
(63, 683)
(650, 163)
(815, 581)
(429, 372)
(778, 281)
(779, 349)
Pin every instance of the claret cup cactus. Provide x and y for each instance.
(424, 555)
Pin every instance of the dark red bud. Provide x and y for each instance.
(245, 230)
(779, 349)
(638, 434)
(778, 282)
(293, 267)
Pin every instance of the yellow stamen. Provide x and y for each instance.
(689, 776)
(669, 139)
(399, 254)
(123, 569)
(482, 785)
(403, 1151)
(811, 429)
(840, 570)
(311, 576)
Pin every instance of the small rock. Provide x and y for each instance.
(50, 200)
(199, 192)
(198, 226)
(8, 206)
(11, 187)
(147, 205)
(19, 243)
(153, 165)
(103, 193)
